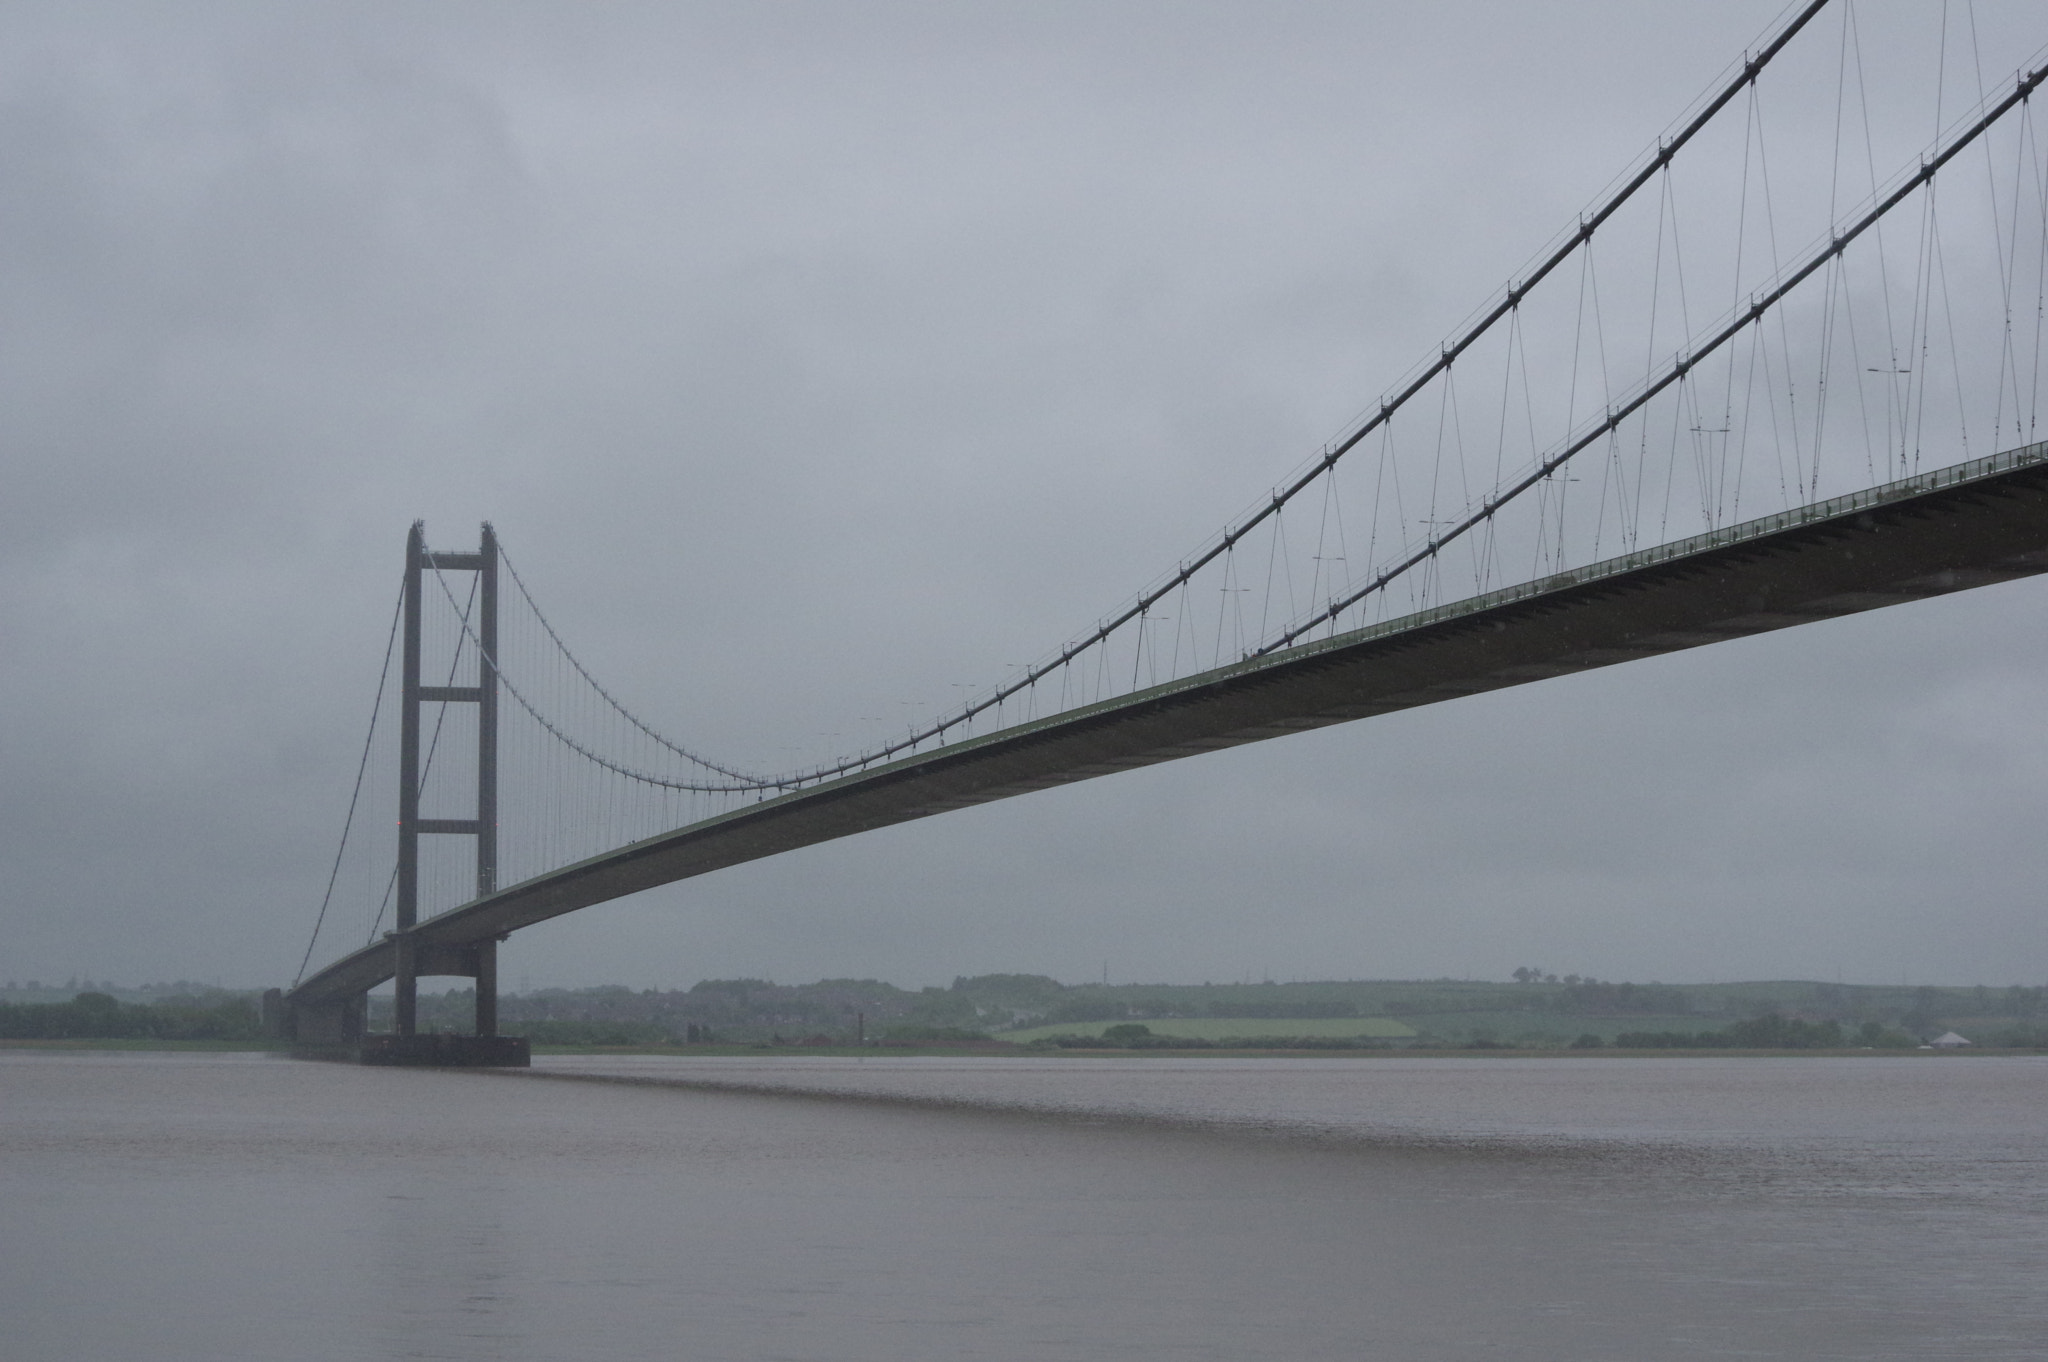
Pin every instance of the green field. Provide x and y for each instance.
(1223, 1028)
(1555, 1027)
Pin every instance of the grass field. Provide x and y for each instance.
(1561, 1027)
(1221, 1028)
(1455, 1027)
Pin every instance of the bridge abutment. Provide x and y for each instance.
(336, 1024)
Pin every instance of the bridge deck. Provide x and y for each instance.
(1970, 525)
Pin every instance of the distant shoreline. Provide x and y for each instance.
(1003, 1051)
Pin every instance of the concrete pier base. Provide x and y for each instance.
(448, 1052)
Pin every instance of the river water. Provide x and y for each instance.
(175, 1206)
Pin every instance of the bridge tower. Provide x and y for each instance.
(478, 961)
(340, 1022)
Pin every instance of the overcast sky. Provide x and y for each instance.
(817, 360)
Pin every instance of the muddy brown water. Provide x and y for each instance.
(176, 1206)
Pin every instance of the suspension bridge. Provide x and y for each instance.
(1669, 430)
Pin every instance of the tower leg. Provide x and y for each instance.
(406, 1004)
(487, 988)
(408, 878)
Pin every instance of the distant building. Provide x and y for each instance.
(1949, 1040)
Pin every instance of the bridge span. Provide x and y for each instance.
(1971, 525)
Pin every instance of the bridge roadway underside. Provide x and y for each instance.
(1965, 527)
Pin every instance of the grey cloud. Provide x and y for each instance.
(813, 359)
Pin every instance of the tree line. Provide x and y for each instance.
(100, 1016)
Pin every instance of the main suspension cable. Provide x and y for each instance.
(1451, 351)
(741, 785)
(595, 685)
(1686, 360)
(362, 768)
(1505, 306)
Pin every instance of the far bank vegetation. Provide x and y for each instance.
(1535, 1010)
(1539, 1011)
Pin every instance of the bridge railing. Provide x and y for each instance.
(1760, 528)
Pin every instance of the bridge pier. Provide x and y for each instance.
(339, 1028)
(405, 1045)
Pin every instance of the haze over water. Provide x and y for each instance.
(209, 1206)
